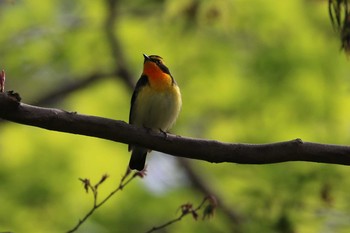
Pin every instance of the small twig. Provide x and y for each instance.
(187, 209)
(126, 179)
(2, 81)
(339, 13)
(197, 182)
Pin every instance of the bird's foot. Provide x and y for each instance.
(164, 133)
(148, 129)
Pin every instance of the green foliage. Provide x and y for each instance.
(250, 71)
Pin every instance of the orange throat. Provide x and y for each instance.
(156, 77)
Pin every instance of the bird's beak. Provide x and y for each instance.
(146, 57)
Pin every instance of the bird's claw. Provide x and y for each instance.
(164, 133)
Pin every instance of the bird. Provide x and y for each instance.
(155, 104)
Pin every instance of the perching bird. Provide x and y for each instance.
(155, 104)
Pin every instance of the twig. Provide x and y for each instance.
(198, 183)
(339, 13)
(2, 81)
(126, 179)
(187, 209)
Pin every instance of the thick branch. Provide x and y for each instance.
(208, 150)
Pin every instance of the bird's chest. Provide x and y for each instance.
(156, 108)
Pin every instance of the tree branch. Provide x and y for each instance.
(201, 149)
(70, 87)
(115, 44)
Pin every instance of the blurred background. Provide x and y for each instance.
(255, 71)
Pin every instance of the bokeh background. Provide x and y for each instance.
(253, 71)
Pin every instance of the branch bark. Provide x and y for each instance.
(201, 149)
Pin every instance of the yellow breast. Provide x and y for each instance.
(158, 106)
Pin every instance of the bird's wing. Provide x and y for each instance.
(143, 81)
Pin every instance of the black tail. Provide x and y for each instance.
(138, 158)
